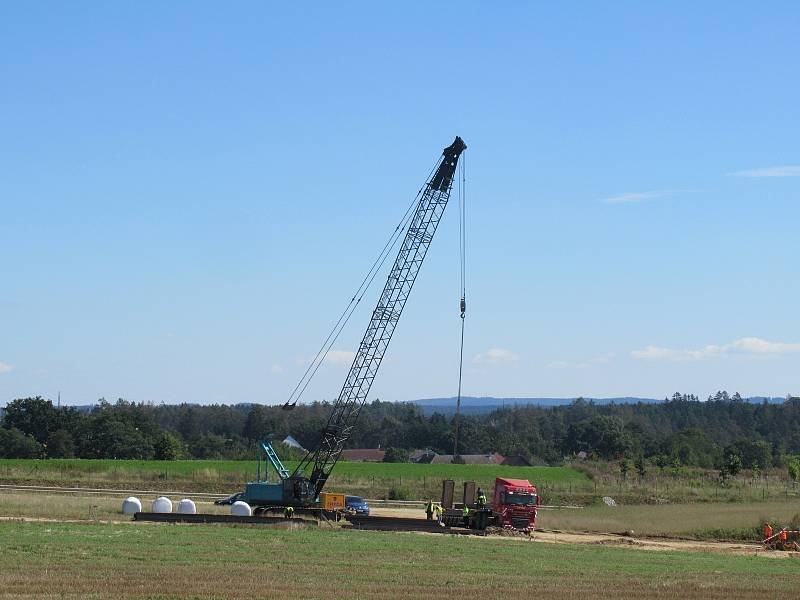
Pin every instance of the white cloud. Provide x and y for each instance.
(340, 357)
(560, 364)
(276, 369)
(755, 345)
(4, 368)
(602, 359)
(630, 197)
(658, 353)
(495, 356)
(334, 357)
(748, 346)
(785, 171)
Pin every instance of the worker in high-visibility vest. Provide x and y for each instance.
(783, 535)
(481, 497)
(466, 516)
(429, 510)
(767, 531)
(437, 511)
(288, 512)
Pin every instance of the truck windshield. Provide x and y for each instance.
(520, 499)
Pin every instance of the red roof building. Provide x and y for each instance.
(364, 455)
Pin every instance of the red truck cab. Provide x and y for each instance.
(515, 503)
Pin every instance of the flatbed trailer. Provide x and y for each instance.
(406, 524)
(355, 522)
(478, 518)
(213, 518)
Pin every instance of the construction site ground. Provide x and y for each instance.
(77, 544)
(47, 506)
(551, 536)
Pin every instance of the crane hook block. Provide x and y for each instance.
(463, 307)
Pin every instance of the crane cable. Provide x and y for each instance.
(462, 233)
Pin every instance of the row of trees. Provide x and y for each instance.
(33, 427)
(681, 430)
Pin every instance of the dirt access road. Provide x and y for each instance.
(550, 536)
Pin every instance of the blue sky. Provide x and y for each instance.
(190, 192)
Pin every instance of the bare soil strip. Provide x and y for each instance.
(612, 539)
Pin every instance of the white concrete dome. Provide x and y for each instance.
(131, 505)
(187, 507)
(241, 509)
(162, 504)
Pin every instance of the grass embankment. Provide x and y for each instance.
(722, 521)
(374, 480)
(683, 485)
(46, 560)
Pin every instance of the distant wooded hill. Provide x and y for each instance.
(472, 405)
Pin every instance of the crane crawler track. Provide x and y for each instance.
(227, 519)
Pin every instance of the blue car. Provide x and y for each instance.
(357, 505)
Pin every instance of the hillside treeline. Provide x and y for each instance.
(679, 431)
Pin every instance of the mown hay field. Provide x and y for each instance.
(83, 506)
(721, 521)
(70, 560)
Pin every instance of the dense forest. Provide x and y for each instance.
(682, 430)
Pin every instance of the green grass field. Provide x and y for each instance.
(557, 485)
(58, 560)
(408, 471)
(374, 480)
